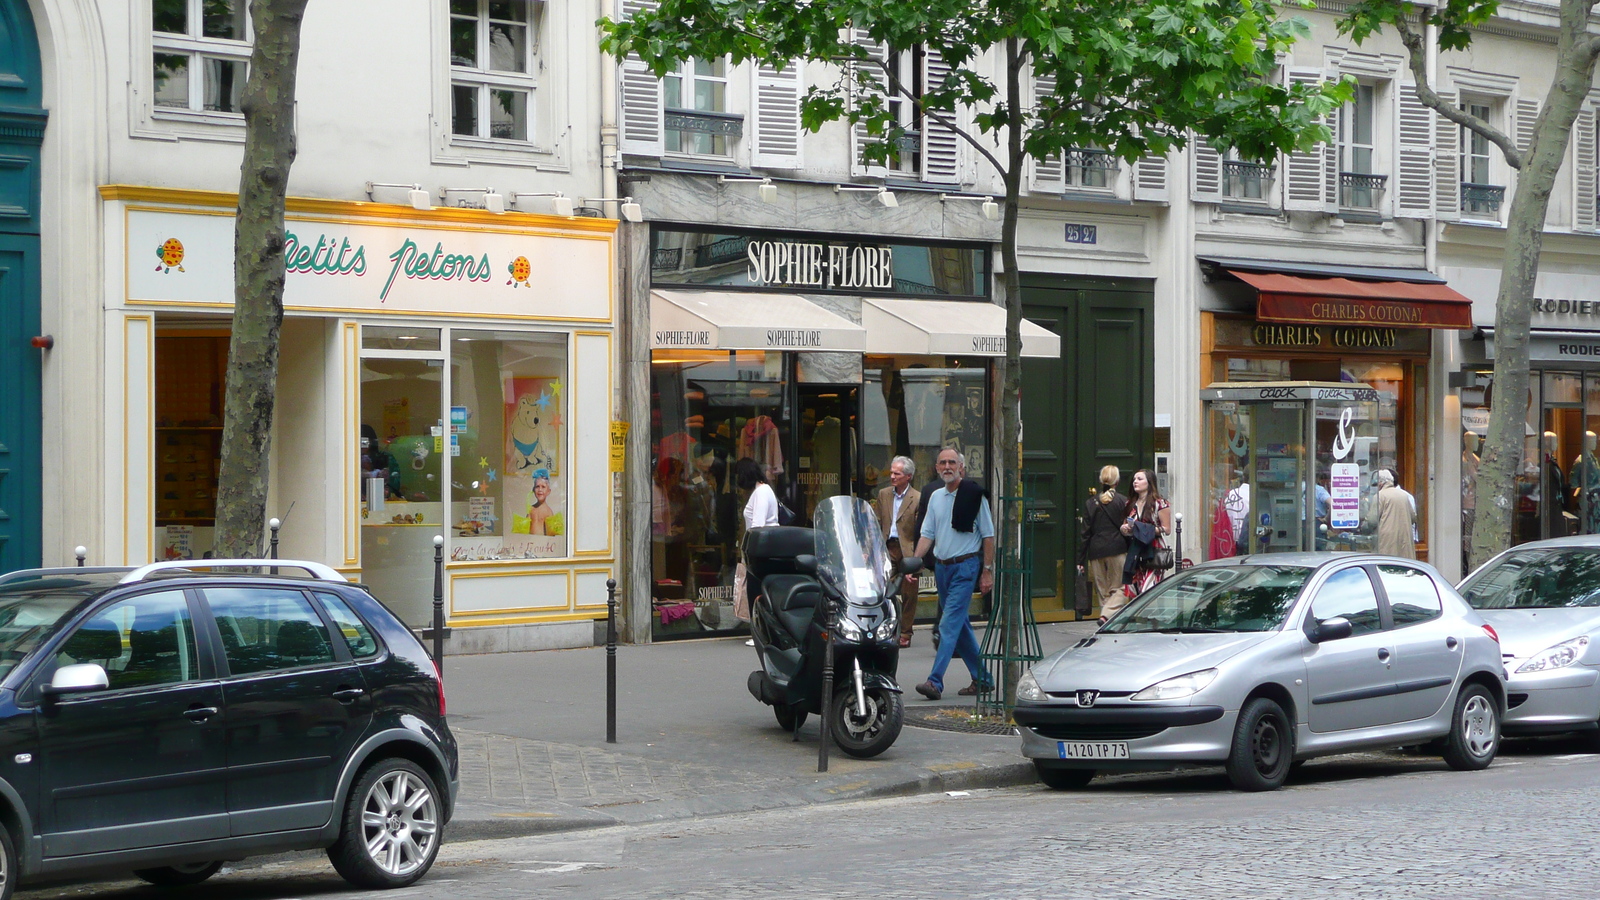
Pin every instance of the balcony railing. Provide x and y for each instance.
(1482, 198)
(699, 122)
(1361, 190)
(1087, 167)
(1246, 180)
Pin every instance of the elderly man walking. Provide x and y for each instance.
(897, 514)
(959, 530)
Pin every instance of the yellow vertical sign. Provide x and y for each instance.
(619, 446)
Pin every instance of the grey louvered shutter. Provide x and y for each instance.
(1583, 171)
(1205, 177)
(642, 127)
(1527, 117)
(778, 135)
(1413, 194)
(859, 136)
(1446, 163)
(1150, 178)
(1049, 175)
(941, 146)
(1305, 174)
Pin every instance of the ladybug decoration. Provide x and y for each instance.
(171, 255)
(520, 269)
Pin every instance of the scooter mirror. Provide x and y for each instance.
(910, 565)
(806, 564)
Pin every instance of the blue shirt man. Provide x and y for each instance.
(965, 560)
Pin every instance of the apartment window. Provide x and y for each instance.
(1477, 194)
(697, 119)
(907, 68)
(201, 53)
(1245, 180)
(493, 63)
(1090, 167)
(1360, 186)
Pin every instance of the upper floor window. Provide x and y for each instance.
(696, 109)
(493, 67)
(906, 66)
(1360, 186)
(1245, 180)
(201, 53)
(1477, 194)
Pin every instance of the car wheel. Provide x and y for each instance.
(1474, 730)
(789, 718)
(391, 826)
(179, 876)
(1263, 747)
(8, 865)
(1059, 779)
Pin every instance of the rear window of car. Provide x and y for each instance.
(1215, 598)
(1537, 579)
(357, 636)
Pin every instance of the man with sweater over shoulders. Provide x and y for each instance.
(959, 531)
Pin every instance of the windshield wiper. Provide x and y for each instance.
(1193, 630)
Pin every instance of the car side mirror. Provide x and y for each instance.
(806, 564)
(910, 565)
(1335, 629)
(76, 679)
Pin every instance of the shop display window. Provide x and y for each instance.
(191, 371)
(916, 405)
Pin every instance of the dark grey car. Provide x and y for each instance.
(1257, 662)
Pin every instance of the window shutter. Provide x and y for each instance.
(1583, 171)
(778, 134)
(941, 147)
(1305, 182)
(1527, 117)
(1205, 180)
(1446, 164)
(1049, 175)
(1414, 175)
(1150, 178)
(642, 127)
(859, 137)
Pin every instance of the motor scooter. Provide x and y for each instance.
(829, 582)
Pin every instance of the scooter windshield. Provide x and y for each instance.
(850, 551)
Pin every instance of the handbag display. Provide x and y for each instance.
(1083, 595)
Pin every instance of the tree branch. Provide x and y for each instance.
(1419, 72)
(937, 116)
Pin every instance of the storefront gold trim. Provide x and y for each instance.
(522, 610)
(147, 384)
(457, 622)
(611, 397)
(350, 371)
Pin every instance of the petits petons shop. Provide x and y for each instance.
(443, 372)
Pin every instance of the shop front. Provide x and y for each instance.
(820, 358)
(1275, 324)
(442, 373)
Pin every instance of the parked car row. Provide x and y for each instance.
(1262, 662)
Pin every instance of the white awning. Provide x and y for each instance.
(948, 328)
(728, 320)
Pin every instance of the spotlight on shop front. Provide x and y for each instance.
(560, 204)
(627, 209)
(474, 198)
(415, 195)
(991, 209)
(765, 188)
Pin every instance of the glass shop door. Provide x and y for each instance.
(826, 420)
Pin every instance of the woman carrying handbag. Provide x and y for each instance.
(1149, 521)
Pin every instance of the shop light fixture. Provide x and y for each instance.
(767, 190)
(991, 209)
(626, 207)
(560, 203)
(493, 201)
(885, 196)
(419, 198)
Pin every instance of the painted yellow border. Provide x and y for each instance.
(522, 620)
(611, 396)
(590, 570)
(567, 573)
(350, 372)
(148, 384)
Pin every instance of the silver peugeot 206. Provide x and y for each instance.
(1258, 662)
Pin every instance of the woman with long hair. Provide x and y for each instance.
(1149, 520)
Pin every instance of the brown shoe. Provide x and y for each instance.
(927, 689)
(973, 689)
(905, 641)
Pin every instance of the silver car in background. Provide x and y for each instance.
(1257, 662)
(1544, 600)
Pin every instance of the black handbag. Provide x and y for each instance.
(1083, 599)
(785, 514)
(1161, 558)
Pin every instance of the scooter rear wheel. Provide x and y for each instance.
(789, 718)
(867, 736)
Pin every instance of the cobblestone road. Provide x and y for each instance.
(1374, 826)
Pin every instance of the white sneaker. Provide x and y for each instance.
(750, 642)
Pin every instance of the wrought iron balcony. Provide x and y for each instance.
(1246, 180)
(1087, 167)
(908, 142)
(716, 253)
(1361, 190)
(700, 122)
(1482, 198)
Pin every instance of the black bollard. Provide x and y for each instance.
(1177, 553)
(438, 603)
(611, 660)
(83, 553)
(827, 697)
(272, 546)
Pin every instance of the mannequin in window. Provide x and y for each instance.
(1469, 490)
(1552, 491)
(1585, 485)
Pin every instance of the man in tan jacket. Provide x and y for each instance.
(897, 515)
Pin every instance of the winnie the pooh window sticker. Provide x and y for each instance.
(533, 494)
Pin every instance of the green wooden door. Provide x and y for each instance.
(1094, 406)
(21, 129)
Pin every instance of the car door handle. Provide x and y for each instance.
(1451, 643)
(200, 713)
(1383, 653)
(348, 695)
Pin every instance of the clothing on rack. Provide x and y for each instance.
(759, 441)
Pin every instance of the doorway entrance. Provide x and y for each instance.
(826, 454)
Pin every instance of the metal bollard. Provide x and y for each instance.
(83, 553)
(438, 603)
(611, 660)
(272, 546)
(1177, 553)
(827, 698)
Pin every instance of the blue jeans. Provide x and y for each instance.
(956, 584)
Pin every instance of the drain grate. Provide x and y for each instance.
(957, 718)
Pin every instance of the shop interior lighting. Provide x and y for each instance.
(885, 196)
(991, 209)
(560, 203)
(629, 210)
(418, 197)
(492, 201)
(767, 190)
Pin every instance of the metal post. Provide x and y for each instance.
(1177, 553)
(611, 660)
(827, 697)
(83, 553)
(272, 547)
(438, 603)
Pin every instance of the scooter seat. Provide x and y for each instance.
(794, 598)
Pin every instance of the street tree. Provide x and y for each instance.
(1131, 77)
(1449, 26)
(258, 272)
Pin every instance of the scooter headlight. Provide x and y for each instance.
(847, 629)
(886, 629)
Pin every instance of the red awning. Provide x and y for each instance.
(1341, 301)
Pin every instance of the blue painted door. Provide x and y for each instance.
(21, 129)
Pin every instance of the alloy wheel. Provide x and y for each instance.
(399, 823)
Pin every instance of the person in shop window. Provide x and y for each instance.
(377, 463)
(540, 510)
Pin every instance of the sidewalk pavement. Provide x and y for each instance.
(691, 741)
